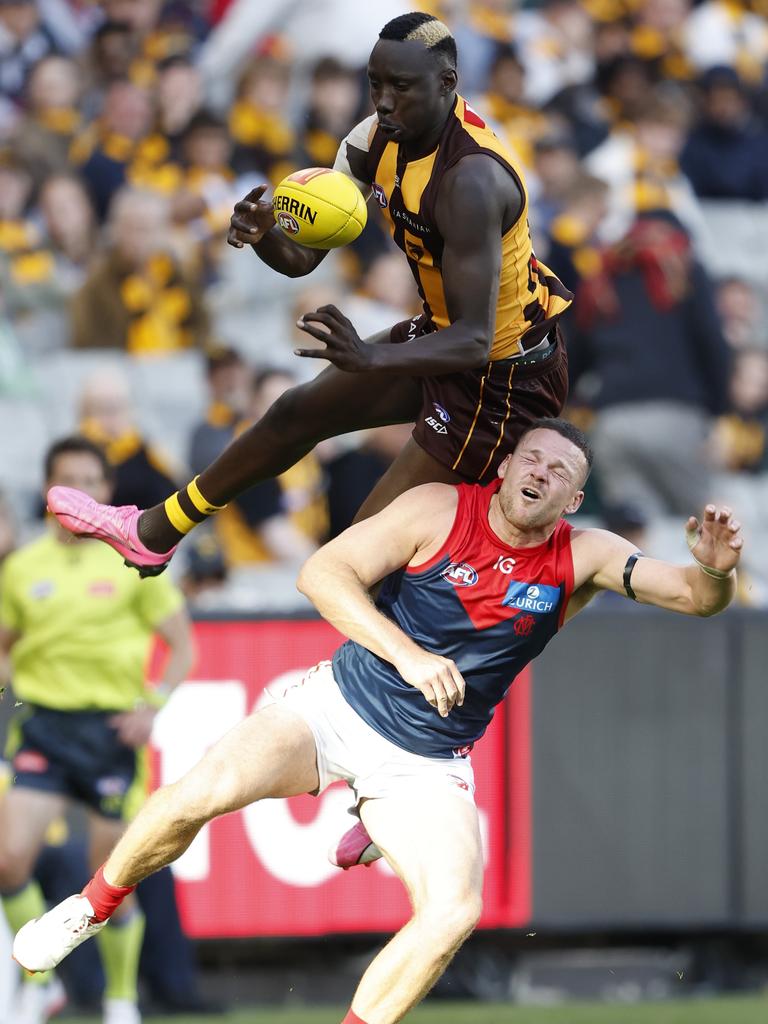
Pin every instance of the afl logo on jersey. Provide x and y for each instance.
(459, 574)
(379, 195)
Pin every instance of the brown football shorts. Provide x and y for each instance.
(469, 421)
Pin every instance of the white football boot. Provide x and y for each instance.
(121, 1011)
(44, 942)
(36, 1004)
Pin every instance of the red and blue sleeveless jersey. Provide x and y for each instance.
(489, 607)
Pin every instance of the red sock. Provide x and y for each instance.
(352, 1018)
(103, 897)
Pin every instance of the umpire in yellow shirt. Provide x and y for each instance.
(79, 631)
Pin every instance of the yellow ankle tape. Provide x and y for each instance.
(201, 503)
(179, 519)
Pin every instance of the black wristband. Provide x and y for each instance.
(628, 574)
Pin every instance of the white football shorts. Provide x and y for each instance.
(348, 749)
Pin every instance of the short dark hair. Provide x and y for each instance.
(426, 29)
(76, 444)
(566, 430)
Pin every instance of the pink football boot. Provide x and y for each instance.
(354, 847)
(116, 526)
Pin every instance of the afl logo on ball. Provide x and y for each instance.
(288, 223)
(379, 196)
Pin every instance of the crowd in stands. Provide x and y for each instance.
(129, 128)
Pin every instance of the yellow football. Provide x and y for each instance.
(320, 208)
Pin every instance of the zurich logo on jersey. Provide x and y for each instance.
(459, 574)
(442, 413)
(532, 597)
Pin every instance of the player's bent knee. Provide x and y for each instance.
(203, 795)
(287, 416)
(452, 919)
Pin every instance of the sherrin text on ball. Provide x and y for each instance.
(320, 208)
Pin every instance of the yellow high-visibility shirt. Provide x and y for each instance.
(85, 623)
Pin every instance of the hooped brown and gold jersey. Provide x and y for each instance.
(530, 296)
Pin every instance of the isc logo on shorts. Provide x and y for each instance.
(439, 428)
(460, 574)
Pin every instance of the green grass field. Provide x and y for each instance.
(694, 1011)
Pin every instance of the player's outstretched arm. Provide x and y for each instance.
(704, 588)
(337, 579)
(253, 223)
(475, 197)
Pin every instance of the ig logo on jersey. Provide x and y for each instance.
(459, 574)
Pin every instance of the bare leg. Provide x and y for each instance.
(432, 840)
(333, 403)
(270, 754)
(25, 815)
(103, 834)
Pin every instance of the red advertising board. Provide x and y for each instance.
(264, 870)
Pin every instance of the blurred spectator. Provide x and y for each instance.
(480, 28)
(43, 138)
(114, 56)
(741, 437)
(333, 105)
(571, 250)
(108, 418)
(386, 295)
(264, 137)
(640, 164)
(556, 169)
(179, 92)
(206, 151)
(41, 280)
(354, 469)
(555, 44)
(17, 234)
(24, 40)
(344, 29)
(513, 117)
(723, 32)
(205, 570)
(726, 155)
(229, 386)
(658, 38)
(137, 297)
(280, 520)
(625, 82)
(649, 357)
(741, 313)
(69, 222)
(118, 147)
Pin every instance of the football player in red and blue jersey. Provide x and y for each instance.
(476, 581)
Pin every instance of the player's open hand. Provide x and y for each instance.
(717, 541)
(251, 220)
(134, 727)
(343, 345)
(437, 677)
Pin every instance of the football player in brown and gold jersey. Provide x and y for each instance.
(482, 361)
